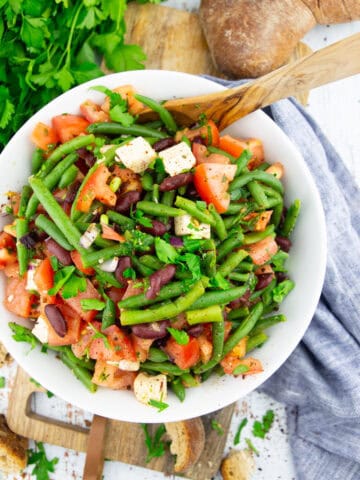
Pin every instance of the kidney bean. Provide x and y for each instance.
(263, 280)
(281, 276)
(159, 279)
(58, 251)
(56, 319)
(158, 228)
(164, 143)
(192, 192)
(198, 139)
(29, 240)
(196, 330)
(71, 192)
(153, 330)
(284, 243)
(125, 201)
(86, 155)
(123, 264)
(241, 301)
(177, 181)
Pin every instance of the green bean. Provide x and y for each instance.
(204, 315)
(255, 341)
(259, 293)
(151, 261)
(245, 266)
(170, 290)
(169, 310)
(165, 115)
(208, 244)
(182, 190)
(68, 177)
(212, 149)
(242, 161)
(254, 237)
(52, 230)
(107, 278)
(232, 221)
(267, 322)
(168, 198)
(229, 245)
(37, 160)
(238, 313)
(189, 381)
(240, 369)
(185, 139)
(180, 275)
(218, 333)
(22, 228)
(164, 367)
(270, 192)
(109, 314)
(99, 241)
(235, 208)
(125, 222)
(276, 215)
(190, 207)
(24, 200)
(50, 181)
(290, 218)
(178, 388)
(68, 147)
(92, 258)
(85, 363)
(263, 166)
(239, 277)
(258, 194)
(141, 268)
(208, 263)
(260, 176)
(156, 355)
(80, 373)
(155, 193)
(244, 329)
(221, 297)
(158, 209)
(108, 128)
(231, 262)
(154, 124)
(147, 181)
(219, 223)
(206, 375)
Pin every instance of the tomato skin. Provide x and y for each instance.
(74, 302)
(235, 146)
(185, 356)
(200, 153)
(118, 346)
(76, 258)
(211, 181)
(96, 188)
(69, 126)
(74, 327)
(44, 276)
(44, 136)
(93, 113)
(262, 251)
(80, 348)
(141, 346)
(18, 300)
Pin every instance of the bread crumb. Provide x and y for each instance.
(5, 357)
(238, 465)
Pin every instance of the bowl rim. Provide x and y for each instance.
(171, 414)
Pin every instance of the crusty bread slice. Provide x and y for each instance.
(13, 449)
(238, 465)
(4, 355)
(187, 442)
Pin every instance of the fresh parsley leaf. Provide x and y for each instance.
(260, 429)
(118, 115)
(192, 244)
(60, 278)
(54, 263)
(140, 241)
(159, 165)
(129, 273)
(127, 57)
(42, 465)
(219, 282)
(23, 334)
(155, 447)
(73, 286)
(192, 262)
(281, 290)
(242, 425)
(35, 382)
(251, 446)
(140, 218)
(92, 304)
(180, 336)
(98, 334)
(2, 382)
(165, 252)
(240, 369)
(157, 404)
(217, 427)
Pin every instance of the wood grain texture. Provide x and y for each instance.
(94, 462)
(123, 441)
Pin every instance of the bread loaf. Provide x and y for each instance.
(13, 449)
(249, 38)
(238, 465)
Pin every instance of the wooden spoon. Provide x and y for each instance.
(337, 61)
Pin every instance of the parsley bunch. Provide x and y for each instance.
(48, 47)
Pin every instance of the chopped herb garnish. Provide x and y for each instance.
(118, 107)
(140, 218)
(180, 336)
(42, 466)
(100, 335)
(164, 251)
(192, 244)
(54, 263)
(61, 277)
(243, 423)
(219, 282)
(251, 446)
(73, 286)
(92, 304)
(2, 382)
(129, 273)
(23, 334)
(157, 404)
(155, 447)
(260, 429)
(215, 425)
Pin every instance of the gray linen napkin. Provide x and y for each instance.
(320, 381)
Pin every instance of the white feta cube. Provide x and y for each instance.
(187, 225)
(136, 154)
(30, 283)
(177, 159)
(125, 365)
(148, 387)
(41, 330)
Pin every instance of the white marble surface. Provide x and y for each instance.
(336, 108)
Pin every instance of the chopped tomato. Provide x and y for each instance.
(75, 302)
(261, 252)
(110, 376)
(115, 347)
(254, 365)
(7, 241)
(44, 276)
(14, 202)
(93, 113)
(212, 182)
(44, 136)
(76, 258)
(185, 356)
(141, 346)
(12, 270)
(7, 258)
(18, 300)
(127, 92)
(69, 126)
(200, 153)
(81, 347)
(206, 348)
(208, 132)
(235, 146)
(109, 234)
(262, 219)
(96, 187)
(73, 327)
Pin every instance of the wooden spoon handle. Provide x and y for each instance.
(337, 61)
(94, 462)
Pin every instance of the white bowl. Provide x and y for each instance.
(306, 264)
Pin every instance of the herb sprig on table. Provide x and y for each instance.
(48, 47)
(42, 466)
